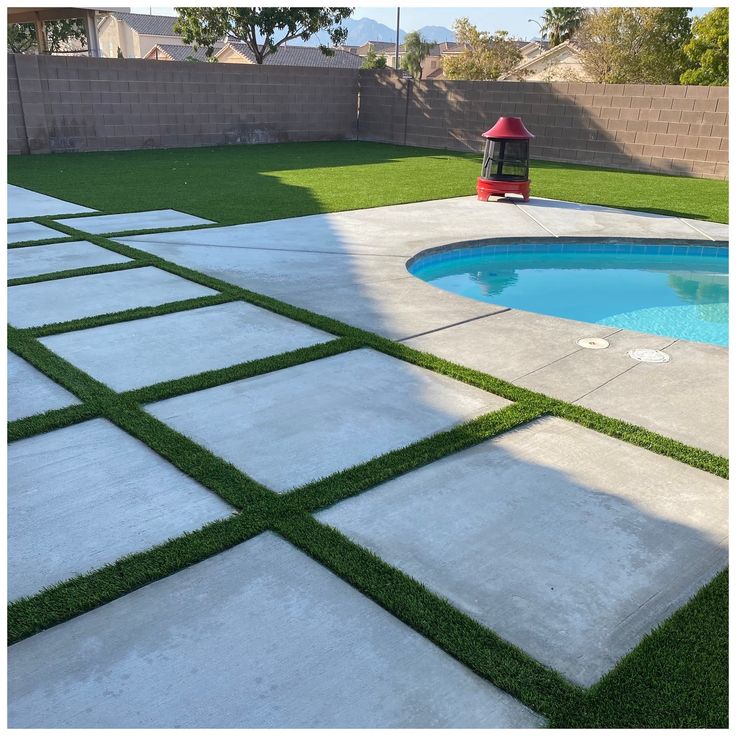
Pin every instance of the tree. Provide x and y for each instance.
(486, 55)
(258, 28)
(373, 61)
(707, 51)
(21, 37)
(560, 24)
(416, 50)
(634, 45)
(58, 35)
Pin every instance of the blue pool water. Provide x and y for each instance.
(674, 290)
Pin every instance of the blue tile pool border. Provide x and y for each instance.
(506, 246)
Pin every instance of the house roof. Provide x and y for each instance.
(179, 52)
(299, 56)
(563, 47)
(149, 25)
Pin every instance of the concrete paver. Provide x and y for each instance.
(129, 355)
(568, 543)
(61, 300)
(21, 231)
(260, 636)
(40, 259)
(30, 392)
(151, 220)
(302, 423)
(27, 203)
(84, 496)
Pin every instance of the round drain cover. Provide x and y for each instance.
(593, 343)
(647, 355)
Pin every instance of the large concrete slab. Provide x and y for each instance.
(715, 230)
(19, 232)
(61, 300)
(570, 544)
(132, 354)
(686, 399)
(39, 259)
(26, 203)
(509, 344)
(572, 219)
(278, 272)
(31, 392)
(260, 636)
(375, 293)
(399, 230)
(584, 370)
(296, 425)
(152, 220)
(86, 495)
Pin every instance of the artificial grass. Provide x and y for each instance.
(293, 179)
(289, 515)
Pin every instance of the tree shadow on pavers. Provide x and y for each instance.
(241, 183)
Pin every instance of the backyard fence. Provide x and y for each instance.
(86, 104)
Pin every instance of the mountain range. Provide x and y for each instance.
(362, 30)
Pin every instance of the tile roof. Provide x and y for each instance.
(302, 56)
(149, 25)
(181, 52)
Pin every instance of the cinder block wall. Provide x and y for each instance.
(81, 104)
(669, 129)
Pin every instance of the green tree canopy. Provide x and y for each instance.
(373, 61)
(263, 30)
(59, 34)
(634, 45)
(707, 50)
(416, 51)
(559, 24)
(486, 55)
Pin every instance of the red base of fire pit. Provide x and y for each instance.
(487, 188)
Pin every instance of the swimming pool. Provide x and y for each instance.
(676, 290)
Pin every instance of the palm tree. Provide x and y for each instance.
(561, 23)
(416, 50)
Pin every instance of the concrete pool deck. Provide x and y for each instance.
(352, 266)
(567, 543)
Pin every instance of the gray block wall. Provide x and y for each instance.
(669, 129)
(58, 104)
(85, 104)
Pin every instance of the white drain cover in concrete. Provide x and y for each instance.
(568, 543)
(21, 231)
(86, 495)
(260, 636)
(128, 355)
(299, 424)
(27, 203)
(593, 343)
(31, 392)
(647, 355)
(152, 220)
(44, 302)
(39, 259)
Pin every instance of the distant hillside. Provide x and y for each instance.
(437, 33)
(362, 30)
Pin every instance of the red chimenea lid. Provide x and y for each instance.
(510, 129)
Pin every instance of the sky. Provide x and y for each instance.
(515, 20)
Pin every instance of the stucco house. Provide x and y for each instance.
(559, 64)
(175, 52)
(134, 35)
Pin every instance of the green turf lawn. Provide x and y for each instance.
(232, 184)
(677, 677)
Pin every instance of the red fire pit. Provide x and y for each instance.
(505, 160)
